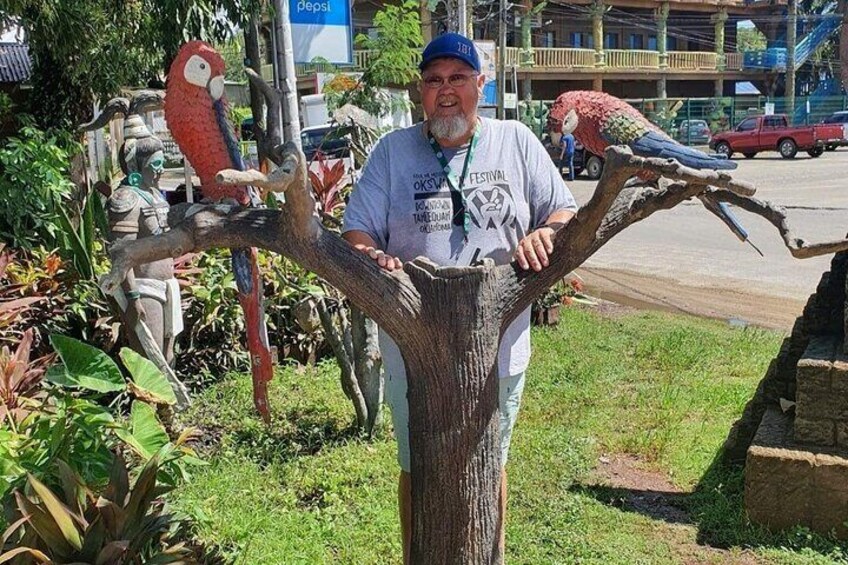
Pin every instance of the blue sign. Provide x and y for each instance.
(321, 29)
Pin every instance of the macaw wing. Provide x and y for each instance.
(655, 144)
(622, 129)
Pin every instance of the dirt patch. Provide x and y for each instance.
(648, 292)
(650, 493)
(646, 492)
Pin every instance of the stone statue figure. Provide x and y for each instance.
(149, 297)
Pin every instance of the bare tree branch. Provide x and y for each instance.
(350, 385)
(776, 216)
(604, 216)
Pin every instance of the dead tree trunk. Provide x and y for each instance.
(447, 321)
(367, 366)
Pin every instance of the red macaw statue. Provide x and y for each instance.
(196, 112)
(598, 120)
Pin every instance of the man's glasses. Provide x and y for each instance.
(456, 81)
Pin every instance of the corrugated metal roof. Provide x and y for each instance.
(14, 62)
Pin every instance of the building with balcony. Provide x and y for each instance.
(628, 48)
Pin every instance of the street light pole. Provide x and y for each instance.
(287, 72)
(462, 17)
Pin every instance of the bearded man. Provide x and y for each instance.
(457, 189)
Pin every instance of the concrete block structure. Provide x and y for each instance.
(796, 456)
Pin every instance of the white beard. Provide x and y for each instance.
(449, 128)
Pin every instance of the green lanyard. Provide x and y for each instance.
(461, 214)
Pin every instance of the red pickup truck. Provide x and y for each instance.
(772, 133)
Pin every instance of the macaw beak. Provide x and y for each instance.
(569, 124)
(216, 87)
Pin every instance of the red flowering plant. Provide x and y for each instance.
(329, 183)
(565, 292)
(19, 379)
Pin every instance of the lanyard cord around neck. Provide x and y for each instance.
(461, 215)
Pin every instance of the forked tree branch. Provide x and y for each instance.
(392, 299)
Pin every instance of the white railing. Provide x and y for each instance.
(692, 60)
(733, 61)
(569, 58)
(632, 59)
(564, 58)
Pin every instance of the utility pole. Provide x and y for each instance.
(462, 17)
(501, 59)
(287, 73)
(791, 31)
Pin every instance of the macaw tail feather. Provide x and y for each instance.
(722, 210)
(251, 299)
(654, 144)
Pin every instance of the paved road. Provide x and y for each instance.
(690, 247)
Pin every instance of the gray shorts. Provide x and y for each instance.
(511, 389)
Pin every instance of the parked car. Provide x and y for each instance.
(693, 132)
(325, 139)
(773, 133)
(838, 118)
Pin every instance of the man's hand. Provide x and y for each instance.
(386, 262)
(534, 249)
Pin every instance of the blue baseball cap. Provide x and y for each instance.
(454, 46)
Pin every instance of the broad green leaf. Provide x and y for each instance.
(60, 513)
(148, 382)
(145, 434)
(84, 366)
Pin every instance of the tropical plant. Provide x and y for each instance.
(72, 423)
(19, 379)
(34, 184)
(73, 525)
(565, 292)
(81, 242)
(393, 61)
(328, 184)
(39, 290)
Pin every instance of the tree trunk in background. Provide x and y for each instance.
(257, 102)
(367, 365)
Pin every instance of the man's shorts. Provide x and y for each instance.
(511, 389)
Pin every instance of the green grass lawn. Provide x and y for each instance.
(660, 389)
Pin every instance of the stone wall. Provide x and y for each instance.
(823, 317)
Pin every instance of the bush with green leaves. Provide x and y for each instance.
(42, 292)
(393, 62)
(72, 524)
(213, 342)
(79, 422)
(34, 182)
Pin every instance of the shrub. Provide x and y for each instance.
(122, 525)
(213, 342)
(33, 184)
